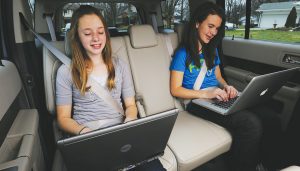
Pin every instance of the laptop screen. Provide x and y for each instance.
(119, 146)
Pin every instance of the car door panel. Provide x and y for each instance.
(20, 147)
(270, 53)
(247, 58)
(237, 77)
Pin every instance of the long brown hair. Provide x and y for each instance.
(81, 62)
(190, 39)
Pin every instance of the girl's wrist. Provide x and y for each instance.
(129, 118)
(80, 131)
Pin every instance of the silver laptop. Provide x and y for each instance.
(119, 147)
(258, 90)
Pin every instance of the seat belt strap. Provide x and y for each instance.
(154, 22)
(198, 82)
(50, 26)
(104, 94)
(201, 76)
(169, 45)
(95, 87)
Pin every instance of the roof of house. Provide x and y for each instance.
(278, 6)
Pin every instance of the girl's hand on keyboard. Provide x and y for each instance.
(231, 91)
(217, 93)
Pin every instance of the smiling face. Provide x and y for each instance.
(209, 28)
(92, 35)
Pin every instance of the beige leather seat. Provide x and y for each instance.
(292, 168)
(119, 50)
(51, 64)
(194, 141)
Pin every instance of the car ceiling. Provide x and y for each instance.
(52, 5)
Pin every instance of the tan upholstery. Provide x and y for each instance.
(193, 140)
(174, 39)
(292, 168)
(151, 76)
(10, 85)
(119, 48)
(51, 65)
(22, 141)
(144, 36)
(168, 160)
(171, 41)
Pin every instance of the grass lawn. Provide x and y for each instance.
(272, 35)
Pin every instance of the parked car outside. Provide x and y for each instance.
(229, 26)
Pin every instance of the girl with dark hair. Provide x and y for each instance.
(199, 45)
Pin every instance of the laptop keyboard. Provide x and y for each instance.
(223, 104)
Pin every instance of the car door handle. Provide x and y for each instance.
(291, 59)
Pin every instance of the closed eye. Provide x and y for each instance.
(211, 26)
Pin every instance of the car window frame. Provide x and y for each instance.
(247, 32)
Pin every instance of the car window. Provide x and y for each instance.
(235, 18)
(31, 5)
(119, 16)
(276, 21)
(174, 12)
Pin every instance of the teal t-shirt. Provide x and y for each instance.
(191, 72)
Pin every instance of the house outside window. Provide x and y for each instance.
(275, 22)
(272, 15)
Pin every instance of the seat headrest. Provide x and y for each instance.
(67, 45)
(142, 36)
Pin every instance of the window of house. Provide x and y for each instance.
(118, 16)
(276, 21)
(174, 12)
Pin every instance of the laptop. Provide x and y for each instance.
(257, 91)
(119, 147)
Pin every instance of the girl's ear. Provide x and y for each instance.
(197, 25)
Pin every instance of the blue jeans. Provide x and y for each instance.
(246, 131)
